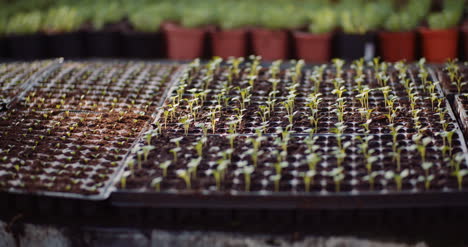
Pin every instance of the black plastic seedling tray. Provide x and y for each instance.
(62, 69)
(144, 197)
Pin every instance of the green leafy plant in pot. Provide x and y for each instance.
(3, 41)
(358, 21)
(230, 38)
(186, 39)
(439, 39)
(62, 24)
(23, 35)
(315, 45)
(270, 39)
(398, 39)
(102, 38)
(145, 40)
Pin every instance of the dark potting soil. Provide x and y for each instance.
(74, 127)
(220, 103)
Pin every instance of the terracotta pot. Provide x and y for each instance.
(184, 43)
(439, 45)
(397, 46)
(355, 46)
(229, 43)
(270, 44)
(314, 48)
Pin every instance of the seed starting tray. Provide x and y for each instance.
(453, 78)
(68, 133)
(461, 107)
(277, 161)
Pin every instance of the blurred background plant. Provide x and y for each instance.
(62, 19)
(23, 23)
(449, 16)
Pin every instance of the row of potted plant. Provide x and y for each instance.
(317, 30)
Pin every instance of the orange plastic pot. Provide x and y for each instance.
(313, 48)
(270, 44)
(439, 45)
(184, 43)
(229, 43)
(397, 46)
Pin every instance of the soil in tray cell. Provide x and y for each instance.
(293, 129)
(65, 137)
(14, 75)
(76, 153)
(454, 78)
(290, 159)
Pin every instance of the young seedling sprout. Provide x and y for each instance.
(338, 177)
(276, 180)
(312, 160)
(459, 174)
(371, 178)
(146, 150)
(218, 173)
(193, 165)
(185, 175)
(156, 183)
(427, 178)
(247, 170)
(123, 179)
(397, 177)
(164, 165)
(308, 179)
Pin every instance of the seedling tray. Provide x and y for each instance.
(148, 186)
(453, 78)
(461, 107)
(16, 77)
(69, 132)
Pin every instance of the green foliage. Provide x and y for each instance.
(147, 19)
(280, 16)
(409, 17)
(235, 15)
(62, 20)
(194, 16)
(323, 21)
(448, 17)
(24, 23)
(105, 12)
(359, 18)
(399, 22)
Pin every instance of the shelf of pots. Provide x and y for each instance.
(239, 135)
(358, 22)
(315, 44)
(103, 25)
(187, 36)
(270, 37)
(61, 26)
(144, 38)
(398, 40)
(440, 37)
(24, 41)
(230, 38)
